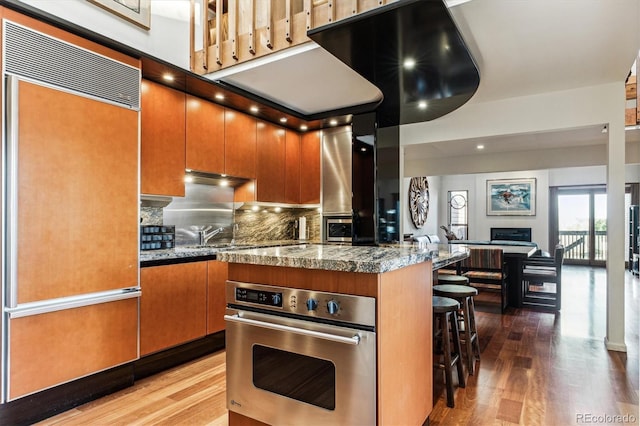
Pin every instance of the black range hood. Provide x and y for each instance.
(377, 44)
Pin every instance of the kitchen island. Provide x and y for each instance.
(398, 277)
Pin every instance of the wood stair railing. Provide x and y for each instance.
(237, 31)
(632, 112)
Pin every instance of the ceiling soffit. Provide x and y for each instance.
(377, 44)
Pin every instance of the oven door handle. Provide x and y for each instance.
(320, 335)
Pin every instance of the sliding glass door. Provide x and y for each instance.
(582, 224)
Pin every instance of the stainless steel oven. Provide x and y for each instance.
(338, 229)
(300, 357)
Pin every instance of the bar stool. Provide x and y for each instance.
(444, 315)
(453, 279)
(464, 294)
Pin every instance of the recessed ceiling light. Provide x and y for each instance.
(333, 122)
(219, 96)
(303, 127)
(283, 120)
(168, 77)
(409, 63)
(422, 104)
(254, 109)
(480, 146)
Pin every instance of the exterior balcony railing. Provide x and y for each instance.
(577, 245)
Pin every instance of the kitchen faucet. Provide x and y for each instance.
(233, 233)
(206, 234)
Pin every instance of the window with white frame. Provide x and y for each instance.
(458, 214)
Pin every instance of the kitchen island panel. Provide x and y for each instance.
(404, 329)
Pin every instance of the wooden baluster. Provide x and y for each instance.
(219, 11)
(308, 12)
(205, 34)
(287, 21)
(252, 28)
(233, 27)
(637, 91)
(332, 11)
(269, 26)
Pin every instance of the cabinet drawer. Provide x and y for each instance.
(53, 348)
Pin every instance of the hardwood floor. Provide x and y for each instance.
(537, 368)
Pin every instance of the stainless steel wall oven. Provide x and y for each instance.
(300, 357)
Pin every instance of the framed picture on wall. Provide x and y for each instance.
(511, 197)
(136, 11)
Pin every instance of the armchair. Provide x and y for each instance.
(542, 280)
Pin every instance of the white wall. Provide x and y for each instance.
(168, 38)
(479, 223)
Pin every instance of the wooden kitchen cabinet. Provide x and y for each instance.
(240, 144)
(310, 168)
(217, 274)
(205, 141)
(292, 168)
(162, 162)
(270, 167)
(173, 306)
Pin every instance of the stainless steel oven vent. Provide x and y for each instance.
(40, 57)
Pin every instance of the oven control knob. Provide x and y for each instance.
(333, 307)
(276, 299)
(312, 304)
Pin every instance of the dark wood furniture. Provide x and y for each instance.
(468, 332)
(444, 316)
(487, 271)
(542, 281)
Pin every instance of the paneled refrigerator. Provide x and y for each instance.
(70, 216)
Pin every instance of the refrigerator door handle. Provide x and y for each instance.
(53, 305)
(10, 215)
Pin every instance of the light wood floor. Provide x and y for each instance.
(537, 368)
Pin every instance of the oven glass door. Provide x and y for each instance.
(287, 371)
(339, 230)
(300, 377)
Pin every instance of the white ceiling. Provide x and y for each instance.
(307, 79)
(521, 48)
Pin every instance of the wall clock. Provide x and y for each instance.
(458, 201)
(419, 200)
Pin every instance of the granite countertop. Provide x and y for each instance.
(347, 258)
(194, 253)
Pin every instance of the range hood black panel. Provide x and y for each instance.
(376, 43)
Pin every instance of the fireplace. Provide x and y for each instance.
(511, 234)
